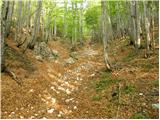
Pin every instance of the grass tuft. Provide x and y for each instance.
(138, 115)
(129, 89)
(96, 98)
(106, 78)
(129, 57)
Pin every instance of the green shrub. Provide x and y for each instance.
(129, 57)
(96, 98)
(138, 116)
(106, 80)
(129, 89)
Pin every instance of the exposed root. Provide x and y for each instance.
(13, 76)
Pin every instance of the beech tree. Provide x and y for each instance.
(147, 25)
(104, 36)
(76, 20)
(36, 24)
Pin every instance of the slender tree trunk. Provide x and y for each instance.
(81, 23)
(47, 27)
(75, 25)
(73, 17)
(36, 29)
(119, 24)
(43, 32)
(147, 29)
(19, 17)
(5, 9)
(65, 23)
(153, 24)
(133, 14)
(130, 23)
(9, 16)
(55, 27)
(138, 40)
(29, 17)
(110, 24)
(103, 7)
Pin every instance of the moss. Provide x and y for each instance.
(96, 98)
(129, 89)
(129, 57)
(156, 83)
(105, 79)
(147, 66)
(138, 115)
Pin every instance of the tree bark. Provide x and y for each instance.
(65, 23)
(147, 24)
(5, 8)
(9, 16)
(105, 47)
(55, 27)
(36, 29)
(133, 15)
(81, 23)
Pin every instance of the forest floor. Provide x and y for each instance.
(84, 89)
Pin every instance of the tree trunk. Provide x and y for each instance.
(19, 17)
(81, 23)
(28, 15)
(138, 41)
(153, 24)
(75, 25)
(73, 17)
(133, 15)
(5, 8)
(147, 29)
(103, 4)
(9, 16)
(55, 27)
(65, 23)
(36, 29)
(118, 20)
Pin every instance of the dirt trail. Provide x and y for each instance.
(47, 92)
(53, 89)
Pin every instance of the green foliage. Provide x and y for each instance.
(156, 83)
(91, 16)
(96, 98)
(138, 115)
(147, 66)
(129, 89)
(105, 79)
(131, 55)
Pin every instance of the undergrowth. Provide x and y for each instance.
(138, 115)
(105, 79)
(96, 98)
(129, 89)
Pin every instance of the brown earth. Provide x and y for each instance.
(52, 89)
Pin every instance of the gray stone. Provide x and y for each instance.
(69, 61)
(39, 58)
(155, 106)
(42, 49)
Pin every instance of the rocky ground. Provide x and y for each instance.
(76, 84)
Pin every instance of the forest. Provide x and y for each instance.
(79, 59)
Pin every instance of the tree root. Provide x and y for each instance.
(13, 76)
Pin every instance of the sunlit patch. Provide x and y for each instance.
(69, 100)
(31, 90)
(51, 76)
(75, 107)
(51, 110)
(61, 88)
(21, 117)
(68, 91)
(53, 100)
